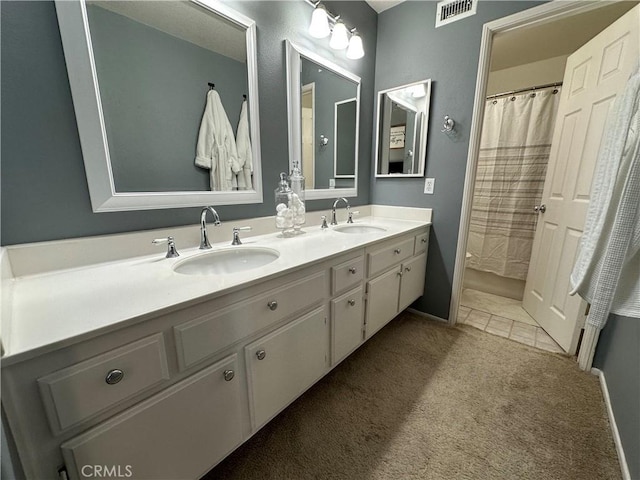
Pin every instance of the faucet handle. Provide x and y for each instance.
(324, 222)
(351, 214)
(236, 234)
(171, 246)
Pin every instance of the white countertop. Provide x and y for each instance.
(49, 309)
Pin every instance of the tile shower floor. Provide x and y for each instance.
(504, 317)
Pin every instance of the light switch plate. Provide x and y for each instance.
(429, 183)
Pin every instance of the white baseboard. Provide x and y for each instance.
(427, 315)
(614, 427)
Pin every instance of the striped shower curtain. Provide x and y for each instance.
(514, 151)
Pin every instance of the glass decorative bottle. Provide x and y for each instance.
(284, 213)
(297, 205)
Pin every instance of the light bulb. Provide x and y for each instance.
(355, 49)
(339, 37)
(319, 27)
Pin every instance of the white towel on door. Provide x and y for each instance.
(216, 147)
(607, 269)
(243, 144)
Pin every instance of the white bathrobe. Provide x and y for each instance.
(243, 144)
(607, 270)
(216, 147)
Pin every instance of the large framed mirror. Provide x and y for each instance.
(166, 101)
(401, 133)
(324, 114)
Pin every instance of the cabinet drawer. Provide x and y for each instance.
(283, 364)
(347, 324)
(179, 433)
(82, 390)
(391, 255)
(203, 337)
(422, 242)
(347, 274)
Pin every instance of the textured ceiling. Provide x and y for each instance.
(382, 5)
(185, 20)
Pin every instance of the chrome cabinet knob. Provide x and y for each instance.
(114, 376)
(352, 302)
(423, 240)
(400, 273)
(261, 354)
(353, 270)
(397, 251)
(228, 375)
(407, 269)
(540, 208)
(272, 305)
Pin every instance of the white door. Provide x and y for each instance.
(308, 132)
(593, 77)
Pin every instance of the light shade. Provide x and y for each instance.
(319, 27)
(339, 37)
(355, 49)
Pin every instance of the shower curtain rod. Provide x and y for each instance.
(522, 90)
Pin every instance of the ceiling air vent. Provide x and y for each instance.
(453, 10)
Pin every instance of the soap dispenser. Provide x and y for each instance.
(284, 213)
(296, 180)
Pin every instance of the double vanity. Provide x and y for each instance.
(160, 367)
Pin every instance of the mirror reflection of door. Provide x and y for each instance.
(346, 131)
(308, 135)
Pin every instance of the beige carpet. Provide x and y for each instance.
(422, 400)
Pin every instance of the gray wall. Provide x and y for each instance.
(618, 356)
(153, 88)
(44, 194)
(410, 48)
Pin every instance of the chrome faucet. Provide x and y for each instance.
(236, 234)
(333, 209)
(204, 239)
(172, 252)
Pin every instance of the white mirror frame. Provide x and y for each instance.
(76, 42)
(293, 53)
(424, 128)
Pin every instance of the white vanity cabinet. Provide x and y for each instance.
(171, 394)
(283, 364)
(178, 433)
(403, 262)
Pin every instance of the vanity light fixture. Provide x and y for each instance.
(319, 27)
(339, 36)
(324, 23)
(355, 50)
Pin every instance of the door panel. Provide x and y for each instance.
(594, 76)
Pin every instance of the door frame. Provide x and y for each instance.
(546, 13)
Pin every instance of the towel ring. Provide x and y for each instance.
(448, 125)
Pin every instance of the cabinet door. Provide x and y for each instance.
(412, 283)
(283, 364)
(347, 322)
(180, 433)
(382, 301)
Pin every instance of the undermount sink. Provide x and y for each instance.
(356, 228)
(231, 260)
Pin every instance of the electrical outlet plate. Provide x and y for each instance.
(429, 184)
